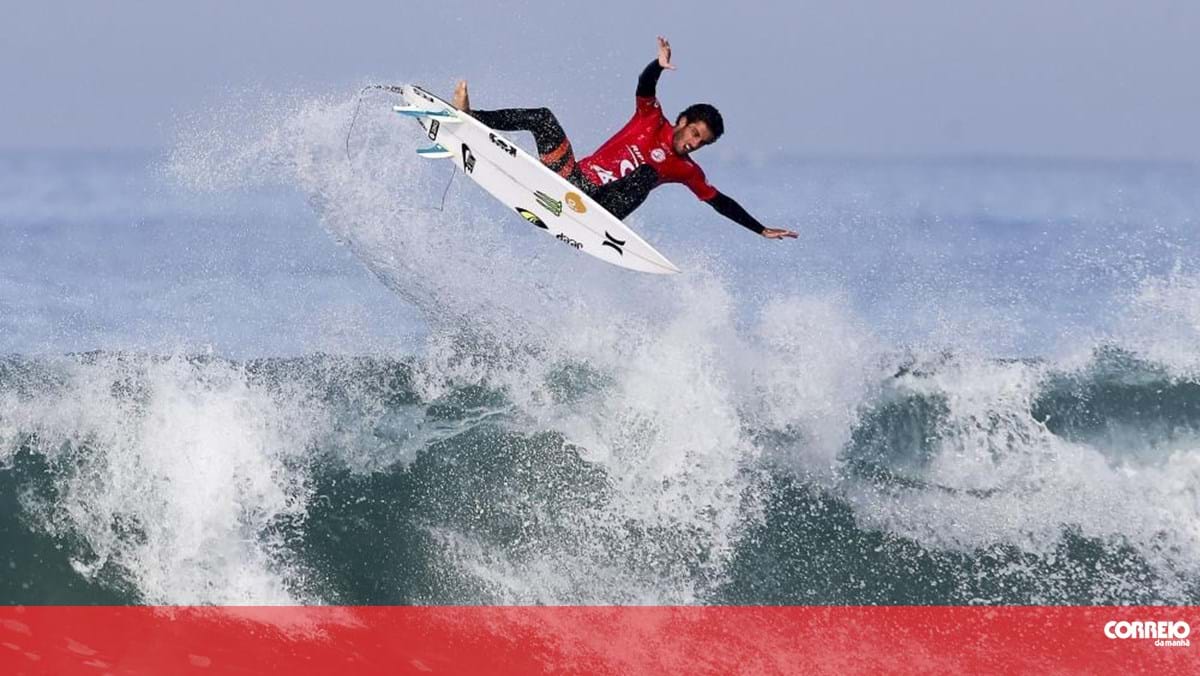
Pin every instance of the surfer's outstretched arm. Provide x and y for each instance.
(648, 80)
(727, 207)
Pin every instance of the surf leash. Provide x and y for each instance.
(391, 89)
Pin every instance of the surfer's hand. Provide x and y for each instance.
(664, 53)
(777, 233)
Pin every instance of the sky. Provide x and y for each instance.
(1088, 79)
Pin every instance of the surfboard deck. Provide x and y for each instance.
(520, 180)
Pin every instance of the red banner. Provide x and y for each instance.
(597, 640)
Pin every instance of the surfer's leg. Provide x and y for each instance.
(553, 146)
(627, 193)
(540, 121)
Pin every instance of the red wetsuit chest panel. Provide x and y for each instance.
(645, 139)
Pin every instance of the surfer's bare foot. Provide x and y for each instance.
(461, 100)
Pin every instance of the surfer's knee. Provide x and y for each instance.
(546, 119)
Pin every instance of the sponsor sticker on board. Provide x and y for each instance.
(548, 203)
(575, 202)
(532, 218)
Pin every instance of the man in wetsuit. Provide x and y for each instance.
(647, 152)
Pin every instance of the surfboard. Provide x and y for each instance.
(541, 197)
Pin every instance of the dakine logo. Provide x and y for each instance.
(614, 243)
(531, 217)
(574, 201)
(568, 240)
(1163, 633)
(658, 155)
(549, 203)
(434, 126)
(503, 145)
(468, 159)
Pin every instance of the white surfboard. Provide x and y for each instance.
(540, 196)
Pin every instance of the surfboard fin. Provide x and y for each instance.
(434, 152)
(443, 116)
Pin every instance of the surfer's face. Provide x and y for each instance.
(691, 136)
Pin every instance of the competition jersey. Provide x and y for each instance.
(645, 139)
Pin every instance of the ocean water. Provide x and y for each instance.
(267, 365)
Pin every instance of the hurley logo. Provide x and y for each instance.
(613, 243)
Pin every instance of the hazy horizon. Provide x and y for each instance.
(1061, 80)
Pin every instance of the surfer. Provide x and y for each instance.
(647, 152)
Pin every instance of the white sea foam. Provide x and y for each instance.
(998, 476)
(172, 471)
(1162, 322)
(693, 391)
(672, 428)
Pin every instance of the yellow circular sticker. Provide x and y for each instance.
(575, 202)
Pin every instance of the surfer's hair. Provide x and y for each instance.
(706, 113)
